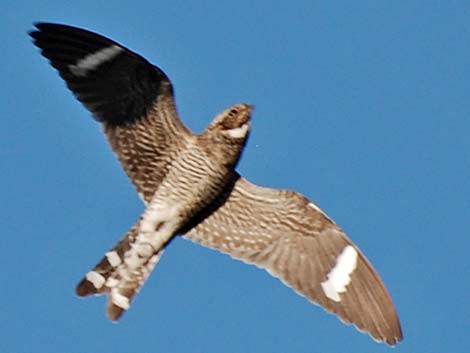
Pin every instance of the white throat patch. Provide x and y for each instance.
(339, 277)
(238, 132)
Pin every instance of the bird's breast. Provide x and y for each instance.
(193, 181)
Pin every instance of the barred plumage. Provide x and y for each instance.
(189, 185)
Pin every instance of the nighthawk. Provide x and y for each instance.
(190, 187)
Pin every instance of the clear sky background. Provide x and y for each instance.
(362, 106)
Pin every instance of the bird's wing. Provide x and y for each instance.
(289, 236)
(131, 97)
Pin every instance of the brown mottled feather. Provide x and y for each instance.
(278, 231)
(147, 147)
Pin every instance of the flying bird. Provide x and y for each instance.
(190, 187)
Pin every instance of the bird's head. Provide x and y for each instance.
(233, 122)
(228, 132)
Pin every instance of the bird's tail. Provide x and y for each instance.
(118, 276)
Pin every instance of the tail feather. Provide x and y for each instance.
(116, 277)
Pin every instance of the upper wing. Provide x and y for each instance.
(289, 236)
(130, 96)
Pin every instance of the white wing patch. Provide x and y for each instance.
(340, 276)
(92, 61)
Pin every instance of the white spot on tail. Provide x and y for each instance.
(339, 277)
(96, 279)
(119, 300)
(238, 132)
(113, 258)
(92, 61)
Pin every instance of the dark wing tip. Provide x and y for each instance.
(396, 334)
(399, 335)
(397, 338)
(40, 26)
(117, 85)
(45, 25)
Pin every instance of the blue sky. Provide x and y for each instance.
(363, 107)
